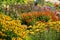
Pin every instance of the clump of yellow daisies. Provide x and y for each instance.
(41, 27)
(9, 26)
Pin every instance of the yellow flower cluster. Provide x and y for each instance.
(15, 26)
(16, 38)
(55, 25)
(4, 17)
(2, 34)
(41, 27)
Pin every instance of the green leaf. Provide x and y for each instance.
(29, 38)
(10, 33)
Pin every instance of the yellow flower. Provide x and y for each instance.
(32, 33)
(27, 31)
(13, 38)
(0, 32)
(58, 30)
(19, 39)
(10, 29)
(30, 26)
(52, 27)
(4, 35)
(37, 30)
(58, 22)
(50, 20)
(3, 30)
(1, 39)
(42, 30)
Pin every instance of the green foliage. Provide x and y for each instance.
(5, 37)
(58, 8)
(13, 1)
(33, 22)
(10, 33)
(43, 18)
(0, 26)
(29, 38)
(49, 34)
(49, 4)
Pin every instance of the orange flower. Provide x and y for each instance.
(47, 13)
(29, 20)
(54, 17)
